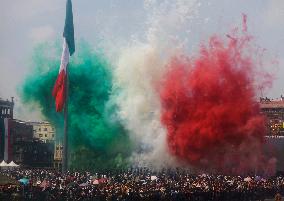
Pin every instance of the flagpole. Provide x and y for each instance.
(65, 137)
(61, 88)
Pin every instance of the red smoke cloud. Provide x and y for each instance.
(210, 109)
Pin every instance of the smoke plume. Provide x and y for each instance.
(97, 139)
(210, 108)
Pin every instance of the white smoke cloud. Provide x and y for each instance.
(140, 68)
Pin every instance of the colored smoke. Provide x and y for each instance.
(198, 111)
(140, 67)
(97, 139)
(210, 108)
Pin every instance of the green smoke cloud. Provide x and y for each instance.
(96, 137)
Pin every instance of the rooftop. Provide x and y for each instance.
(270, 103)
(38, 122)
(7, 103)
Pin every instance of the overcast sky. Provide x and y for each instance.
(25, 23)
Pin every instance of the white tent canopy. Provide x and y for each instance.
(12, 164)
(3, 164)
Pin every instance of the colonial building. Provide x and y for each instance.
(274, 111)
(33, 154)
(6, 108)
(20, 133)
(43, 131)
(29, 144)
(6, 114)
(16, 132)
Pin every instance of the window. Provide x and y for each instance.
(40, 135)
(45, 129)
(45, 135)
(39, 129)
(53, 135)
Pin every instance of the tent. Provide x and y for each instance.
(12, 164)
(3, 164)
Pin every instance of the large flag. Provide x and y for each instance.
(59, 90)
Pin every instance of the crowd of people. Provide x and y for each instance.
(137, 184)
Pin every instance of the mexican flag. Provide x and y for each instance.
(59, 90)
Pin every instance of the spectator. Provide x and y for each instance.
(278, 197)
(139, 184)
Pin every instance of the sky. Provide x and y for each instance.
(112, 23)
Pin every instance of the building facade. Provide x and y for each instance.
(20, 133)
(274, 111)
(6, 108)
(33, 154)
(43, 131)
(29, 144)
(15, 132)
(6, 114)
(24, 149)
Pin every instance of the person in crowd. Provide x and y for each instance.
(278, 197)
(139, 184)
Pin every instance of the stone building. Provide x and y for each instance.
(43, 131)
(274, 111)
(28, 144)
(16, 132)
(6, 114)
(6, 108)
